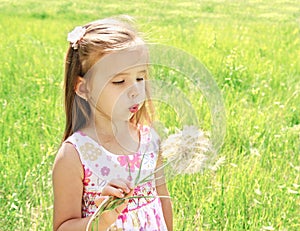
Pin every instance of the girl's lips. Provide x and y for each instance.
(134, 108)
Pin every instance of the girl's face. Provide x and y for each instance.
(119, 92)
(124, 94)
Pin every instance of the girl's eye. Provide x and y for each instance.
(118, 82)
(140, 78)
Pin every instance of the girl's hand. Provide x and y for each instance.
(119, 188)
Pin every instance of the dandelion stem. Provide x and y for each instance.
(139, 172)
(146, 179)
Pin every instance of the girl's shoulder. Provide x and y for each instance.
(79, 139)
(67, 158)
(75, 137)
(68, 152)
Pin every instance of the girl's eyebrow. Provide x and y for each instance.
(142, 72)
(128, 73)
(120, 74)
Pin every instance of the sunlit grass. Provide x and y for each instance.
(251, 48)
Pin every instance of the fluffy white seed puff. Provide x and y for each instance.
(187, 151)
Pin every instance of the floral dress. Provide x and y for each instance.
(100, 166)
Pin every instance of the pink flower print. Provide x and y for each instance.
(81, 133)
(157, 220)
(86, 181)
(130, 162)
(137, 189)
(144, 129)
(123, 217)
(108, 158)
(105, 171)
(87, 174)
(148, 219)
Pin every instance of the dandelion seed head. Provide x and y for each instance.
(188, 151)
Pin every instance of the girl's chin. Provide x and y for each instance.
(123, 119)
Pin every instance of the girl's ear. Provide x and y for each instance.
(81, 88)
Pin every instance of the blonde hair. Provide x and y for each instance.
(101, 37)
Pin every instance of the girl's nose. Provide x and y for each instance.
(133, 91)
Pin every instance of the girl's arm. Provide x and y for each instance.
(68, 190)
(162, 190)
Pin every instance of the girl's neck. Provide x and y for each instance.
(119, 137)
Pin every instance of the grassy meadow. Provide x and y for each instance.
(251, 47)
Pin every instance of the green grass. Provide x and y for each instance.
(251, 48)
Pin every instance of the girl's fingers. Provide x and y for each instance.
(99, 200)
(121, 207)
(125, 185)
(122, 184)
(110, 216)
(112, 191)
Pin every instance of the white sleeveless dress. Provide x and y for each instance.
(100, 166)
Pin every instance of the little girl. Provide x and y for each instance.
(108, 144)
